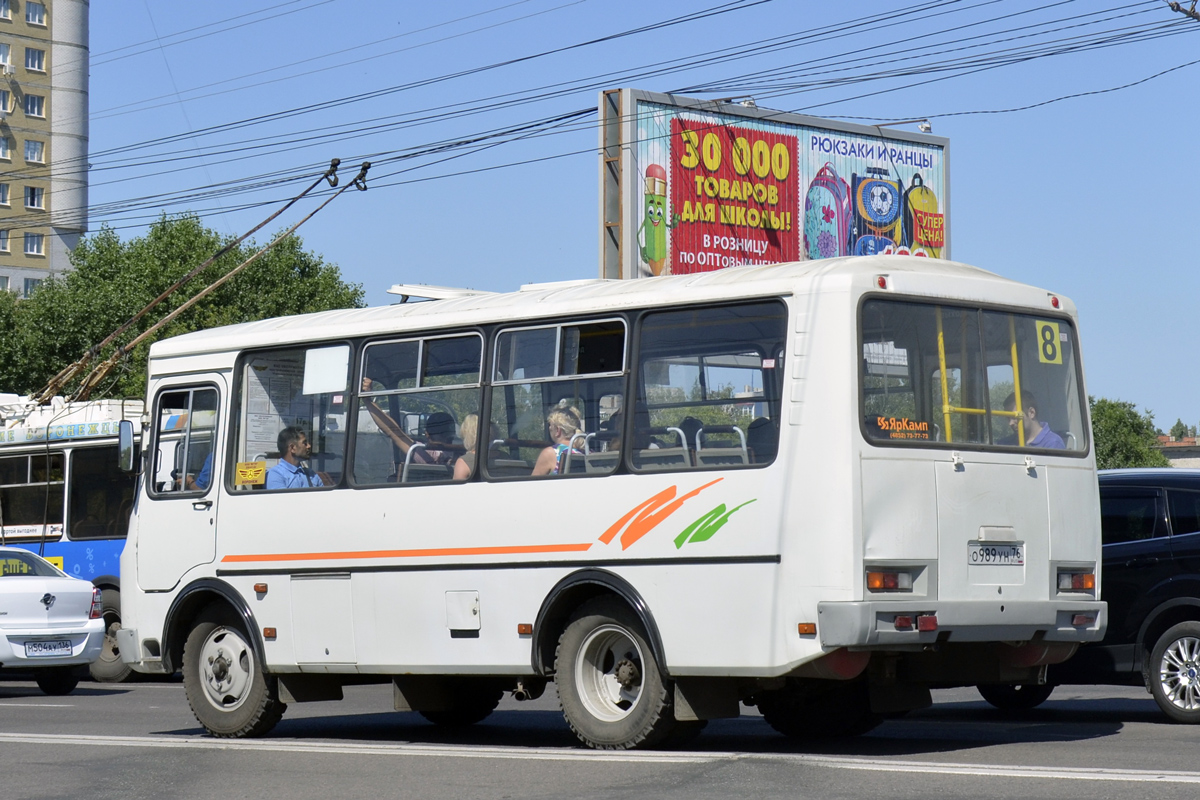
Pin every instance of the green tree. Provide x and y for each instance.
(113, 279)
(1124, 437)
(1179, 430)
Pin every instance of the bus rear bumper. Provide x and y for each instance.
(879, 624)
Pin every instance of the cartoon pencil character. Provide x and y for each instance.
(653, 231)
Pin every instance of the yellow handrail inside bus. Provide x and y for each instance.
(1018, 408)
(948, 409)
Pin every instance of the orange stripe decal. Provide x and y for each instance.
(427, 553)
(644, 517)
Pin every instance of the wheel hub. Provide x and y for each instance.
(226, 665)
(1179, 673)
(608, 673)
(628, 675)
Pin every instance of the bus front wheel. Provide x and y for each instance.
(226, 687)
(109, 668)
(609, 685)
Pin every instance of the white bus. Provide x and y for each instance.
(802, 486)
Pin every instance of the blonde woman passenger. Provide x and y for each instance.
(469, 431)
(565, 429)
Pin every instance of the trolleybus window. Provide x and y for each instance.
(556, 392)
(940, 373)
(709, 387)
(100, 497)
(31, 495)
(419, 400)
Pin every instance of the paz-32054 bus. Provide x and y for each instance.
(821, 488)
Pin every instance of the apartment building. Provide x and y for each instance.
(43, 137)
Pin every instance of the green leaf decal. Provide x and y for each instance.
(704, 528)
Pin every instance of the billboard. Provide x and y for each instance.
(691, 186)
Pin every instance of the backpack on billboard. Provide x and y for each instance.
(924, 227)
(877, 219)
(827, 215)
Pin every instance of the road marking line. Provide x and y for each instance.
(448, 751)
(39, 705)
(560, 754)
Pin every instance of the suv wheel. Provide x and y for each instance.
(1175, 672)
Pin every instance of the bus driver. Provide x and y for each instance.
(290, 472)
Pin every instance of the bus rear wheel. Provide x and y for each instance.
(226, 687)
(609, 685)
(109, 668)
(819, 709)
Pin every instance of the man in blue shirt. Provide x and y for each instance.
(290, 472)
(1037, 433)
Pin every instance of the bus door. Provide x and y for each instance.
(177, 523)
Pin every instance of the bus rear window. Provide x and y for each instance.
(969, 376)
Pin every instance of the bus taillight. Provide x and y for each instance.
(889, 581)
(1076, 581)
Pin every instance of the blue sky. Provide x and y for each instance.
(1091, 197)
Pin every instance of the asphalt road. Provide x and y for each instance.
(140, 741)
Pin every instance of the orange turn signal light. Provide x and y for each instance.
(524, 629)
(807, 628)
(1076, 581)
(260, 588)
(269, 633)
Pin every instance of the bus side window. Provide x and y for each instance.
(709, 387)
(557, 394)
(300, 390)
(418, 410)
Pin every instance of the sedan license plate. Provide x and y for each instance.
(57, 647)
(1005, 555)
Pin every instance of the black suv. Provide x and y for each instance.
(1150, 521)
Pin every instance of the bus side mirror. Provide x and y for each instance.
(125, 446)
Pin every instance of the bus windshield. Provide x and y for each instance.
(971, 377)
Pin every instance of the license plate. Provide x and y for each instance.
(1005, 555)
(58, 647)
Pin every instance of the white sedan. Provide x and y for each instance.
(50, 623)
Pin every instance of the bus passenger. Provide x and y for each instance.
(290, 472)
(470, 439)
(439, 430)
(564, 426)
(1037, 433)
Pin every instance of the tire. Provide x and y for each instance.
(819, 709)
(109, 668)
(611, 690)
(57, 681)
(1015, 697)
(474, 702)
(226, 687)
(1175, 672)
